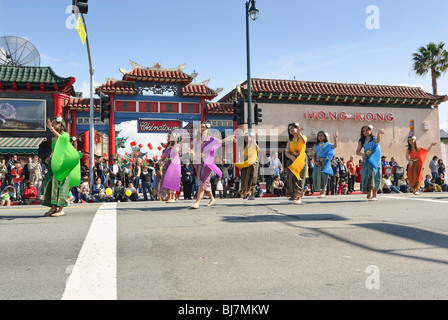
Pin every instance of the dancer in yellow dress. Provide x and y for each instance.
(295, 151)
(249, 167)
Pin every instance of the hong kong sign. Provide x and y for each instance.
(158, 126)
(342, 116)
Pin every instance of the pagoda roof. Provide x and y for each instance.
(82, 104)
(293, 90)
(215, 108)
(130, 88)
(34, 78)
(157, 74)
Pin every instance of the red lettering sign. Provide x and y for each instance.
(342, 116)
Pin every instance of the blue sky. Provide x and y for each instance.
(323, 40)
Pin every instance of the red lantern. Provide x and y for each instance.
(122, 159)
(140, 146)
(159, 148)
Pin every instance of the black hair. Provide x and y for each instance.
(363, 138)
(325, 136)
(295, 125)
(409, 145)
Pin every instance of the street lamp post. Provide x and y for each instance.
(91, 111)
(252, 11)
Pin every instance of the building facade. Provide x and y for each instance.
(28, 96)
(397, 110)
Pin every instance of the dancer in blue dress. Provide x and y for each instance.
(371, 167)
(323, 153)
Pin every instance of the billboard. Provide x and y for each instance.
(22, 114)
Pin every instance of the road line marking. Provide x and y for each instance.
(416, 199)
(94, 275)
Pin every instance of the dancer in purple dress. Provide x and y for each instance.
(204, 152)
(170, 182)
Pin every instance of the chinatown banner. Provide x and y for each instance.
(145, 126)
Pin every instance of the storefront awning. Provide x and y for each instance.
(20, 145)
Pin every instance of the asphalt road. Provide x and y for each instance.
(340, 247)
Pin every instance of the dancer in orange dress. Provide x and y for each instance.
(416, 157)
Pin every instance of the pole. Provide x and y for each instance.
(92, 108)
(249, 90)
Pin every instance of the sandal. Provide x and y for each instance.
(49, 213)
(194, 206)
(58, 214)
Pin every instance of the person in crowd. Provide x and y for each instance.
(371, 168)
(433, 167)
(18, 178)
(158, 167)
(84, 190)
(62, 164)
(225, 167)
(440, 168)
(119, 191)
(351, 171)
(342, 187)
(3, 172)
(9, 167)
(234, 185)
(101, 169)
(187, 179)
(146, 177)
(384, 165)
(402, 185)
(278, 187)
(36, 175)
(276, 164)
(30, 194)
(309, 176)
(393, 162)
(295, 152)
(7, 195)
(131, 193)
(98, 191)
(441, 182)
(387, 186)
(136, 171)
(431, 185)
(249, 167)
(416, 157)
(115, 173)
(358, 173)
(323, 153)
(204, 153)
(334, 178)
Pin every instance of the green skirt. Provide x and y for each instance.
(55, 192)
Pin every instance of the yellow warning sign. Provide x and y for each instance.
(81, 30)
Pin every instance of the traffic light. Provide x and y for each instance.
(82, 6)
(238, 111)
(104, 107)
(257, 115)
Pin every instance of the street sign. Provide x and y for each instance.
(81, 30)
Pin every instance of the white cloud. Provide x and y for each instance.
(85, 89)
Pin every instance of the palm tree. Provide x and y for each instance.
(432, 58)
